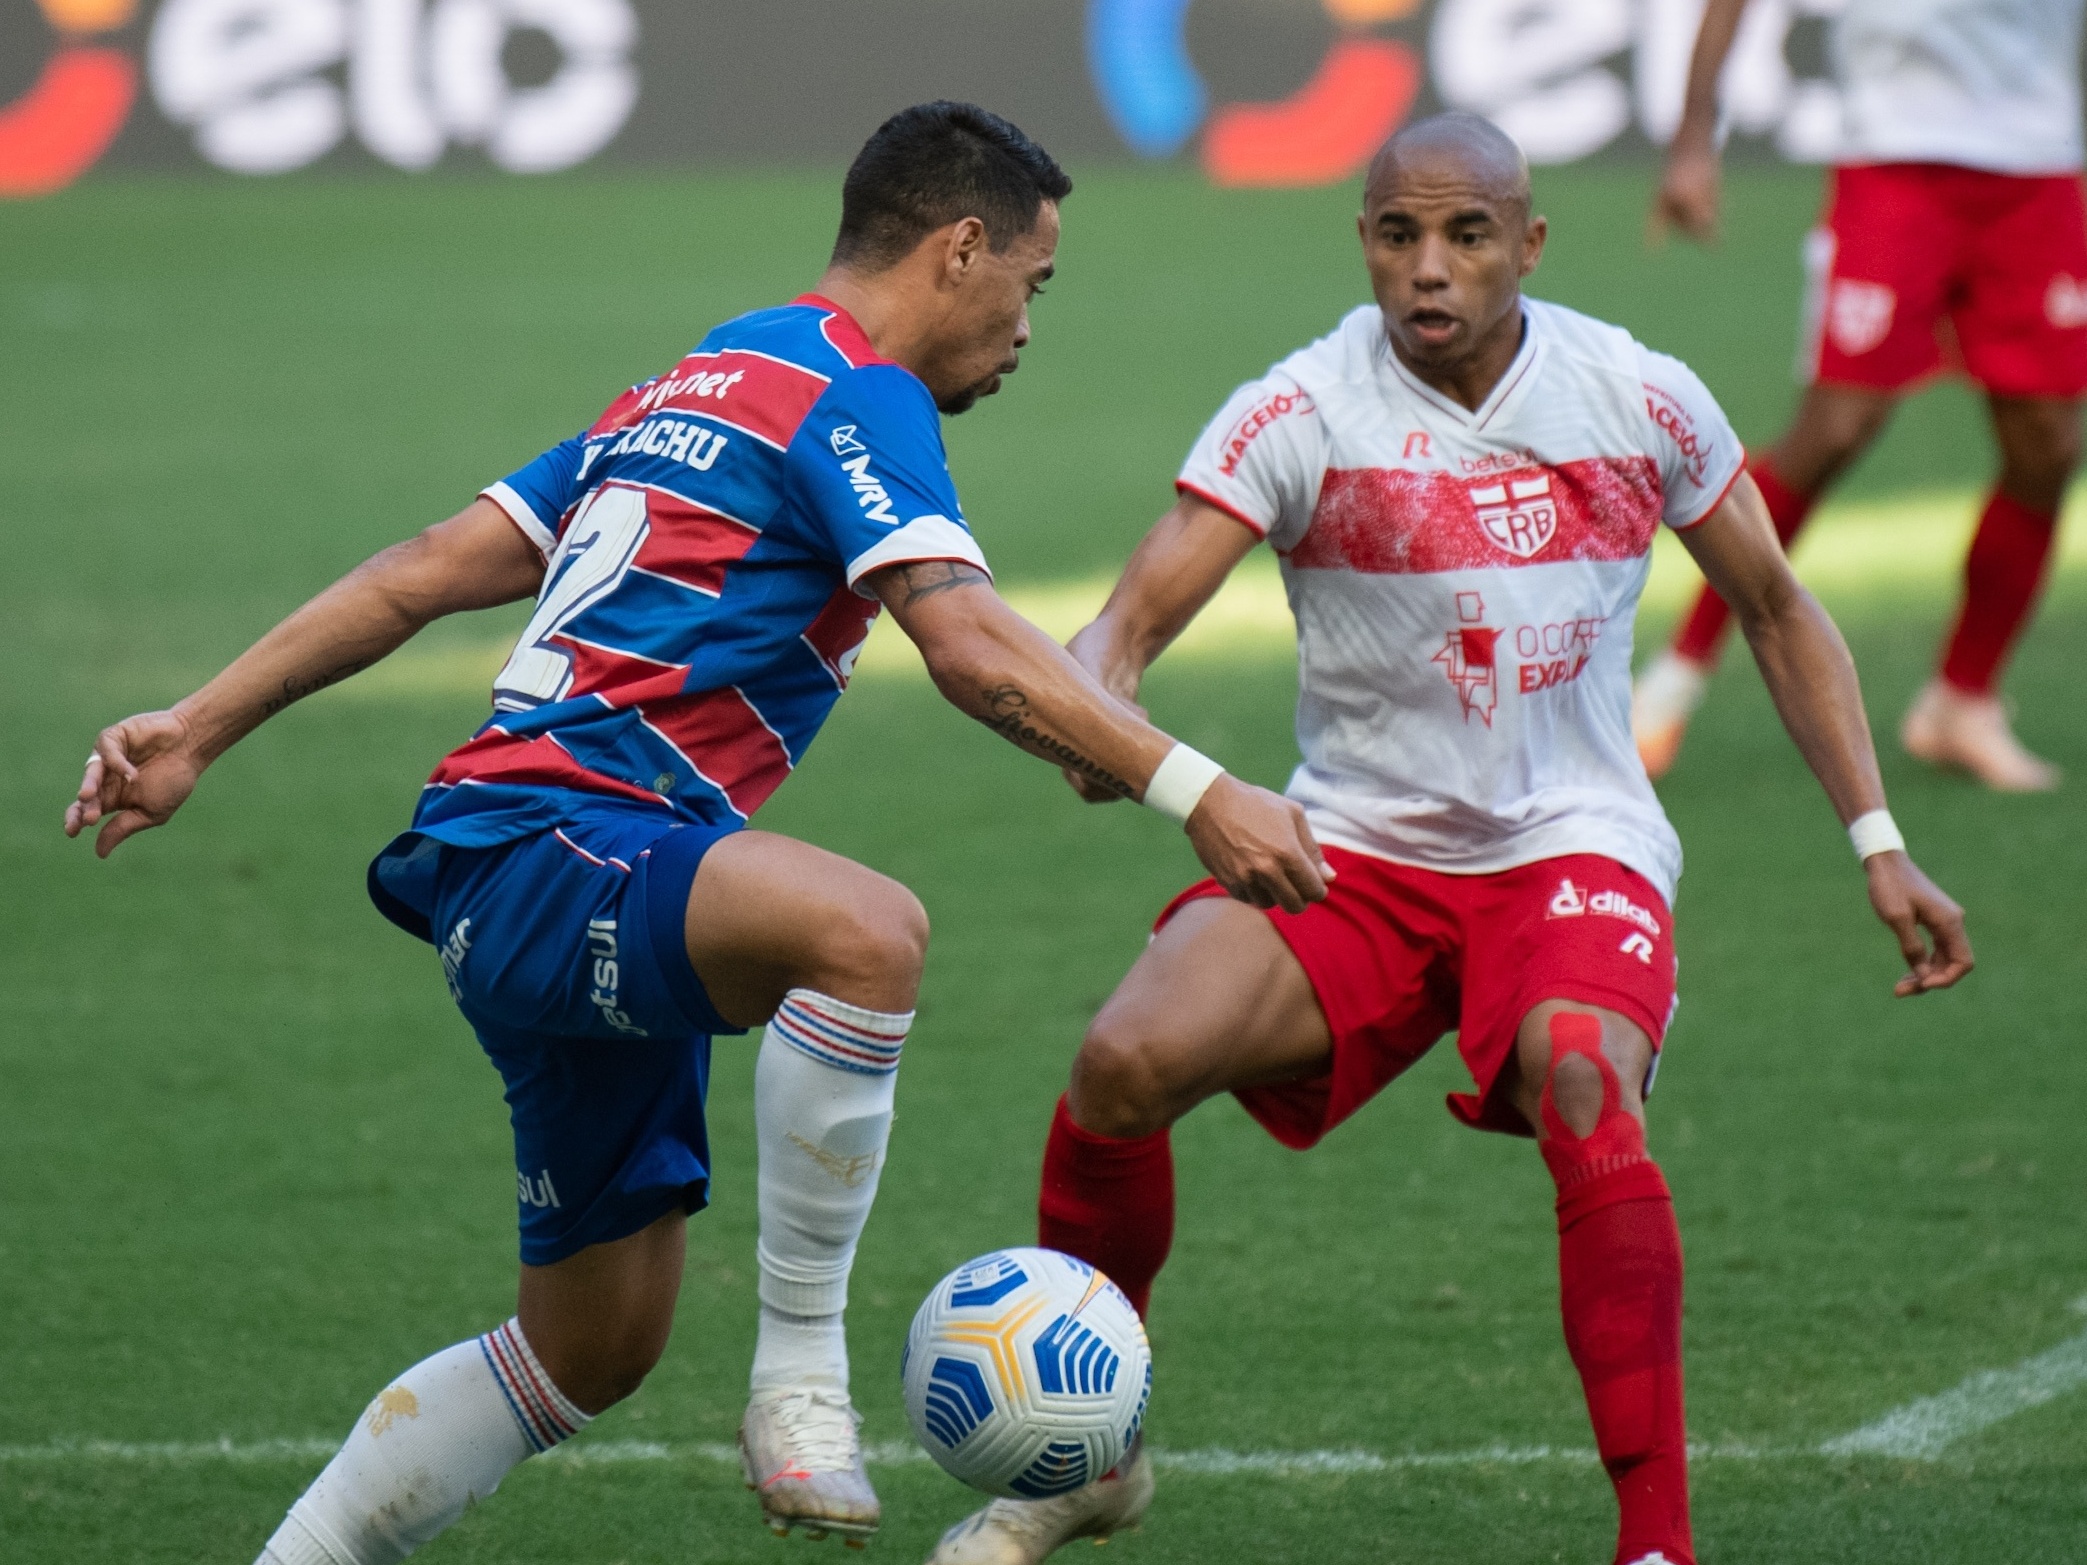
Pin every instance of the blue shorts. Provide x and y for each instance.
(565, 951)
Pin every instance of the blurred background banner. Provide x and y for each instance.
(1258, 92)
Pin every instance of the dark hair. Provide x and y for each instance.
(932, 165)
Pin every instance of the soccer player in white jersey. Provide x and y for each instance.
(707, 560)
(1954, 230)
(1463, 487)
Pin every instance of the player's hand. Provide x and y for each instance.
(1257, 846)
(141, 772)
(1911, 903)
(1688, 196)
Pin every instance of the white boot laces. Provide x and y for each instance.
(820, 1425)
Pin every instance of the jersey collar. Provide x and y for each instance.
(1518, 376)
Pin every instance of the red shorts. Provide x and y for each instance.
(1920, 265)
(1386, 954)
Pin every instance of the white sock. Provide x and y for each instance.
(823, 1089)
(800, 1350)
(439, 1438)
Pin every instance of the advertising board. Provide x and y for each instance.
(1254, 92)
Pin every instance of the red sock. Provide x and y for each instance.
(1703, 632)
(1109, 1202)
(2002, 574)
(1619, 1288)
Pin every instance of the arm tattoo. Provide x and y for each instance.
(1007, 714)
(928, 577)
(296, 687)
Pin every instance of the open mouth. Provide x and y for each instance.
(1431, 325)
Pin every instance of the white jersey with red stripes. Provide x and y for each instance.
(1465, 582)
(1985, 84)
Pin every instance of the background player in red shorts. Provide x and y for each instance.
(1957, 203)
(1463, 486)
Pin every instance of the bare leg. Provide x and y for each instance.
(599, 1320)
(1958, 720)
(1216, 1002)
(769, 914)
(1834, 425)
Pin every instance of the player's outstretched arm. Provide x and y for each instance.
(1811, 677)
(1689, 183)
(145, 767)
(997, 667)
(1176, 569)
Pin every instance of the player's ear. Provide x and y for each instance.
(964, 245)
(1533, 238)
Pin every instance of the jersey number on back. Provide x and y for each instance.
(590, 561)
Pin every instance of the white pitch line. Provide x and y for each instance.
(1919, 1431)
(1923, 1430)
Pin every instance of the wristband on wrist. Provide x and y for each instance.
(1875, 833)
(1181, 781)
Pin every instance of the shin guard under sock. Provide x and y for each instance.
(1109, 1202)
(824, 1085)
(438, 1439)
(1619, 1289)
(2002, 575)
(1702, 633)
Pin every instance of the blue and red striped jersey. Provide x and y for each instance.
(705, 542)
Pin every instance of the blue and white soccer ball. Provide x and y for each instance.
(1026, 1373)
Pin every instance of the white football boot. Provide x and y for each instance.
(1662, 701)
(1021, 1532)
(1947, 727)
(803, 1457)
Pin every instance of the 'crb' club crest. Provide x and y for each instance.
(1518, 514)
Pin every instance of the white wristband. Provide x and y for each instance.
(1181, 781)
(1875, 833)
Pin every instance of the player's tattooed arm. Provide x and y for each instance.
(1009, 715)
(998, 668)
(923, 579)
(144, 768)
(297, 686)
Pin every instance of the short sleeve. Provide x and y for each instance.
(1699, 456)
(537, 497)
(869, 474)
(1261, 460)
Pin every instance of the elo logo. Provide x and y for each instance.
(1362, 92)
(55, 131)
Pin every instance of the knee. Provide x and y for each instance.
(1118, 1086)
(873, 947)
(610, 1363)
(2040, 447)
(1579, 1087)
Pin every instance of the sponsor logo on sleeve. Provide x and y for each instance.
(1257, 418)
(1673, 420)
(844, 442)
(870, 492)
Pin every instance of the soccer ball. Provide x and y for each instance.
(1026, 1373)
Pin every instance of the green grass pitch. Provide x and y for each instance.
(251, 1162)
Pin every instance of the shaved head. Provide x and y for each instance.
(1448, 236)
(1461, 145)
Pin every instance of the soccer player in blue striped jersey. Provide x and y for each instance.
(706, 560)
